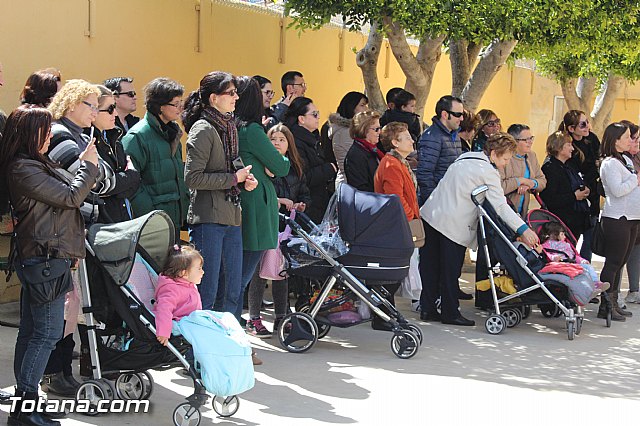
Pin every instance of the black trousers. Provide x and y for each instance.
(619, 239)
(440, 267)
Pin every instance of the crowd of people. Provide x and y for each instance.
(74, 154)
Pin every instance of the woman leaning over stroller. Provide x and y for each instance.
(451, 221)
(214, 212)
(620, 214)
(47, 206)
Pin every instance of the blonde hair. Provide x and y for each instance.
(360, 122)
(556, 141)
(390, 132)
(70, 95)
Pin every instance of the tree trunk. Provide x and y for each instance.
(367, 60)
(585, 89)
(569, 92)
(418, 70)
(605, 102)
(493, 58)
(463, 55)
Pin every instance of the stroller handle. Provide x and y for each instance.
(476, 192)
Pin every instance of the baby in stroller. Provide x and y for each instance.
(558, 249)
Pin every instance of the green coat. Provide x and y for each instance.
(260, 206)
(161, 170)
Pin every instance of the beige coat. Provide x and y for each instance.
(514, 170)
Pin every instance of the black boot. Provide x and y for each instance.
(33, 418)
(56, 383)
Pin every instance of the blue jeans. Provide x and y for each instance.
(585, 250)
(41, 326)
(221, 248)
(250, 260)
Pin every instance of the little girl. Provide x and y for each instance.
(558, 249)
(176, 293)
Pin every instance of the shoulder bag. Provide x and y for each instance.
(417, 232)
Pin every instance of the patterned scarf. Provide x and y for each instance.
(369, 147)
(225, 125)
(404, 161)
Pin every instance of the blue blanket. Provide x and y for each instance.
(221, 350)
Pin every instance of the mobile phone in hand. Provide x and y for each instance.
(238, 163)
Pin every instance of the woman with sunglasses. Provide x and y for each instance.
(620, 214)
(156, 152)
(116, 207)
(523, 174)
(361, 162)
(584, 160)
(488, 123)
(303, 119)
(274, 115)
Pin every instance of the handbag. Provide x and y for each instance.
(417, 232)
(597, 239)
(272, 263)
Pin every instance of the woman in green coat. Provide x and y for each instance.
(260, 206)
(156, 152)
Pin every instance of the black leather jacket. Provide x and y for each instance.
(47, 202)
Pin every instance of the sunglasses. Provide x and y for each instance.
(269, 93)
(109, 109)
(375, 129)
(315, 114)
(493, 123)
(583, 124)
(231, 92)
(178, 105)
(455, 114)
(131, 93)
(529, 139)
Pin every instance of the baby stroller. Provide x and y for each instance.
(513, 260)
(120, 324)
(363, 236)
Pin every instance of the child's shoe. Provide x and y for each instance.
(254, 358)
(601, 286)
(256, 328)
(621, 303)
(632, 297)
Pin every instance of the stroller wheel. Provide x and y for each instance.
(512, 317)
(495, 324)
(579, 324)
(134, 385)
(608, 320)
(302, 334)
(225, 406)
(571, 329)
(416, 330)
(94, 391)
(549, 310)
(186, 414)
(405, 344)
(323, 329)
(526, 311)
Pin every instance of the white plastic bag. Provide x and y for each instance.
(412, 285)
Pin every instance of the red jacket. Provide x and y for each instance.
(392, 177)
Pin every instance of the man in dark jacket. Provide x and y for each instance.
(126, 98)
(293, 86)
(439, 145)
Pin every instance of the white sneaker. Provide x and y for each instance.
(621, 303)
(632, 297)
(415, 306)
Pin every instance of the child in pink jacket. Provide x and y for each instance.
(176, 293)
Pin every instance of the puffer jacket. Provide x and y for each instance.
(292, 187)
(410, 119)
(437, 150)
(47, 205)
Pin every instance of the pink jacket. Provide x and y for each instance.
(175, 298)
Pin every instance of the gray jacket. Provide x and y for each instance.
(207, 179)
(341, 142)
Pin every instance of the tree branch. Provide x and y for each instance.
(460, 66)
(473, 50)
(428, 56)
(585, 89)
(367, 60)
(569, 92)
(605, 102)
(490, 63)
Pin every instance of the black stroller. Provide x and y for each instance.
(362, 236)
(120, 325)
(506, 257)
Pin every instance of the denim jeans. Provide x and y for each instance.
(585, 250)
(41, 326)
(250, 260)
(221, 248)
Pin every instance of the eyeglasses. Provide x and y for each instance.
(269, 93)
(231, 92)
(455, 114)
(109, 109)
(493, 123)
(303, 85)
(583, 124)
(315, 114)
(131, 93)
(375, 129)
(93, 107)
(178, 105)
(529, 139)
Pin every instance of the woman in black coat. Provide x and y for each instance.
(566, 194)
(362, 160)
(303, 119)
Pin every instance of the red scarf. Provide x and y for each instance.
(369, 147)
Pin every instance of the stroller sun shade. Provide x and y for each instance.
(115, 244)
(368, 220)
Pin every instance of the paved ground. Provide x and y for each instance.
(529, 375)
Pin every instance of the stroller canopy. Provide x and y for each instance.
(367, 219)
(115, 244)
